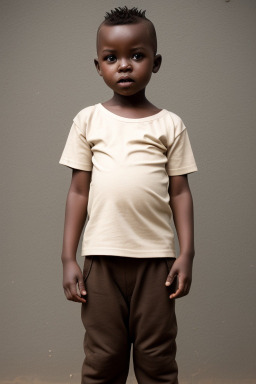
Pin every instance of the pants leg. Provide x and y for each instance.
(105, 318)
(153, 326)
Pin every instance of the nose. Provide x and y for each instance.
(124, 65)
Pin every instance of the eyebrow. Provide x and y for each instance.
(137, 48)
(114, 50)
(108, 50)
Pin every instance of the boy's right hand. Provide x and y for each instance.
(72, 276)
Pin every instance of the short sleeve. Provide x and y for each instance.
(180, 157)
(77, 152)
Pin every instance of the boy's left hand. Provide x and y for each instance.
(182, 268)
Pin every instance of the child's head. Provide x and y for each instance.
(126, 49)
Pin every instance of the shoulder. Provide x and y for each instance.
(82, 117)
(176, 124)
(176, 119)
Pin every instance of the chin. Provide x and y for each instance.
(126, 92)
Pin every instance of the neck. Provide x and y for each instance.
(138, 100)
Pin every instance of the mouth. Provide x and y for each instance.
(125, 80)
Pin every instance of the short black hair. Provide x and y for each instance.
(123, 15)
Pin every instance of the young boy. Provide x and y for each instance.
(130, 162)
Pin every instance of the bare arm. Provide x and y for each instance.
(75, 216)
(182, 207)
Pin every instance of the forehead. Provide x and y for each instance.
(114, 36)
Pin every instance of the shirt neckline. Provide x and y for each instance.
(130, 120)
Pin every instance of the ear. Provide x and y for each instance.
(97, 65)
(157, 63)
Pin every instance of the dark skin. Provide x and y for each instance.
(126, 51)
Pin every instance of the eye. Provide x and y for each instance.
(110, 58)
(138, 56)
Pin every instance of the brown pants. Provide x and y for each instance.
(128, 302)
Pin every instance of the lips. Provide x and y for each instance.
(125, 80)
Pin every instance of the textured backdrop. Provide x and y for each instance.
(208, 78)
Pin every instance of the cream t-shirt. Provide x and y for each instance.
(128, 212)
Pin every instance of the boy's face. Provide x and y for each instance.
(126, 58)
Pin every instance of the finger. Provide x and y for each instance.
(81, 287)
(187, 284)
(179, 292)
(79, 296)
(170, 278)
(68, 294)
(74, 296)
(186, 289)
(80, 299)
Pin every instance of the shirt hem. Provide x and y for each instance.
(128, 253)
(72, 164)
(182, 171)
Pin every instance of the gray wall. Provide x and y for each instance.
(208, 78)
